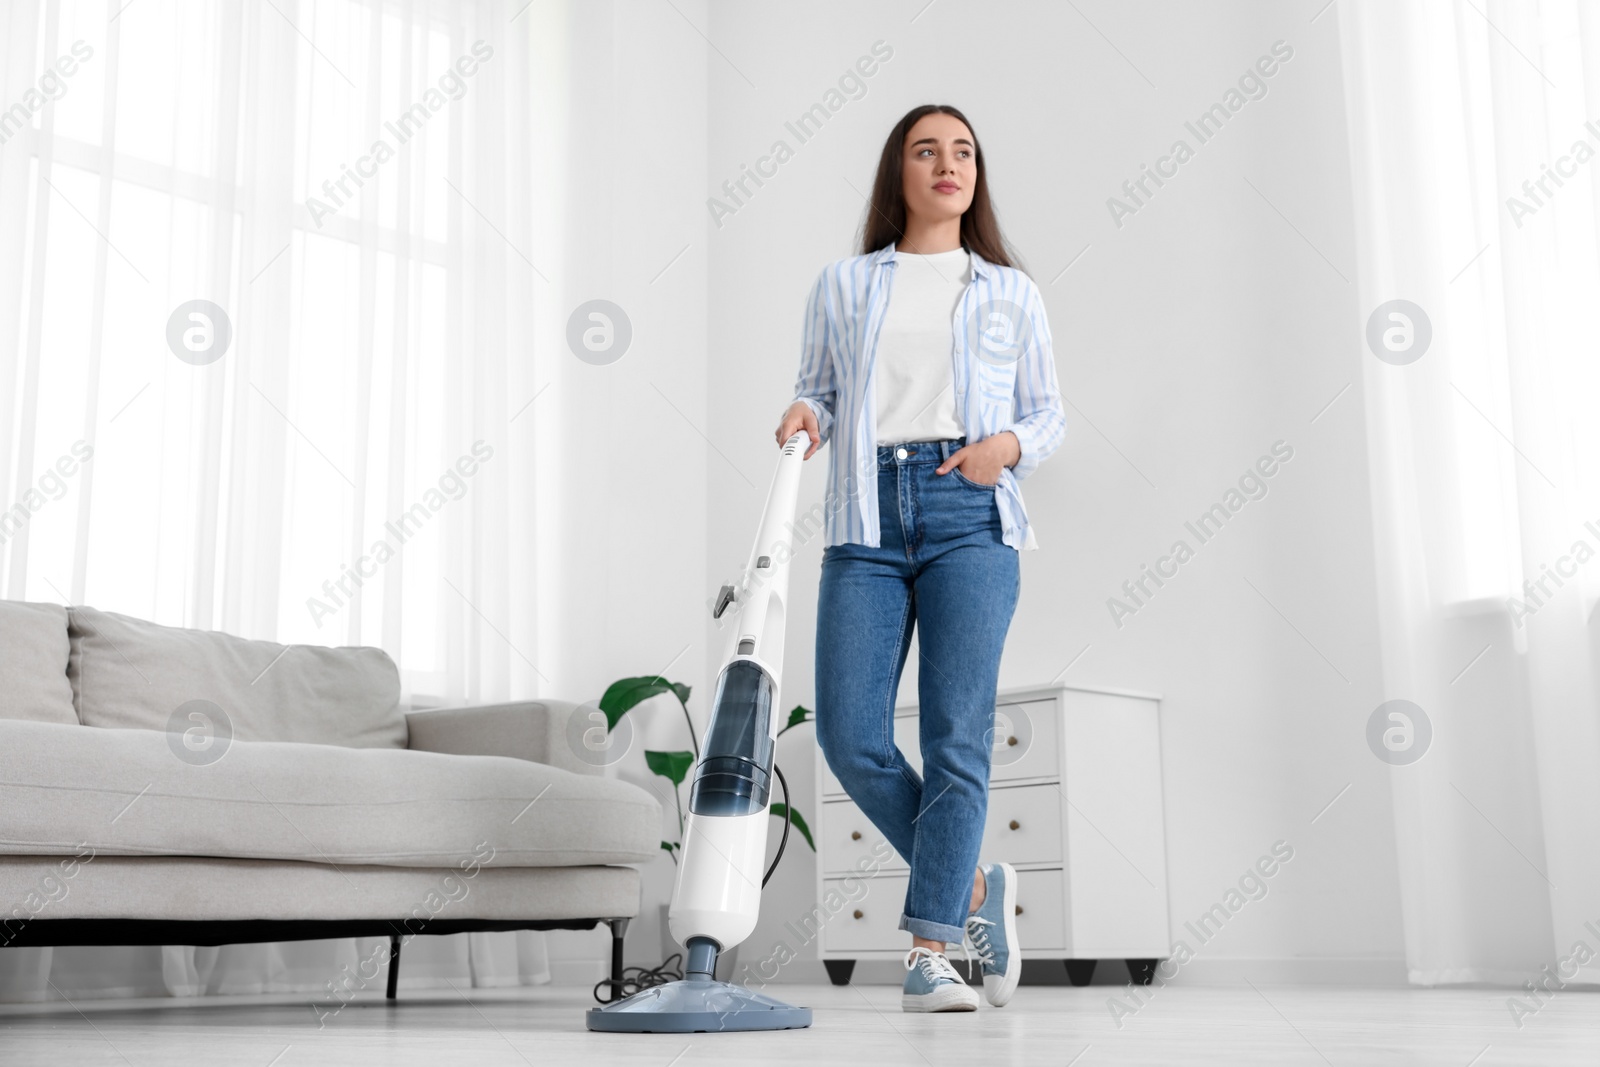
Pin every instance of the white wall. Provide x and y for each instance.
(623, 89)
(1213, 323)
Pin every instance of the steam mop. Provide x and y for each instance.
(718, 892)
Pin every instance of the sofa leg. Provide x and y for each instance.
(619, 929)
(394, 963)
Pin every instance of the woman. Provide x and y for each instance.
(927, 360)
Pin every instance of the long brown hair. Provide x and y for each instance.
(886, 215)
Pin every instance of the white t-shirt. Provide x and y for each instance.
(916, 398)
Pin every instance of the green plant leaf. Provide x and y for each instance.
(800, 714)
(784, 811)
(624, 693)
(669, 846)
(672, 766)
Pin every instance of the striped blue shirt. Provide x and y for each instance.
(1004, 374)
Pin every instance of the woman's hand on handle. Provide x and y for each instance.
(800, 417)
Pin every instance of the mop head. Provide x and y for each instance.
(697, 1005)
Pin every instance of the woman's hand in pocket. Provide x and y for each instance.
(982, 461)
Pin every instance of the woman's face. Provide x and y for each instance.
(940, 168)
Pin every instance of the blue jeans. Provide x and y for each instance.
(943, 568)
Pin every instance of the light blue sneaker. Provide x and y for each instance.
(932, 984)
(992, 930)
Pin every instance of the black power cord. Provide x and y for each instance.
(788, 817)
(636, 978)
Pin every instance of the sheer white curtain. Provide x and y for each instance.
(1476, 196)
(348, 181)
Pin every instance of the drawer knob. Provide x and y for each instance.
(855, 835)
(1015, 825)
(1019, 909)
(1011, 740)
(857, 913)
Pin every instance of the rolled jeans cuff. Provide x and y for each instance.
(950, 935)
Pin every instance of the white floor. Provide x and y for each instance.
(858, 1024)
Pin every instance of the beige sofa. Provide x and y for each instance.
(163, 785)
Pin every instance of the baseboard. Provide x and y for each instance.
(1364, 972)
(582, 974)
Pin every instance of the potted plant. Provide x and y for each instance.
(625, 694)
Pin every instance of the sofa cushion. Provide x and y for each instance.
(140, 793)
(185, 888)
(129, 673)
(33, 663)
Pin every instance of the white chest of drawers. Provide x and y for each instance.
(1075, 805)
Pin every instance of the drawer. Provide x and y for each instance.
(1041, 915)
(1026, 743)
(1027, 740)
(871, 922)
(1023, 825)
(849, 840)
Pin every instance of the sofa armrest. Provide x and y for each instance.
(533, 730)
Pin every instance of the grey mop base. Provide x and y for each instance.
(696, 1006)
